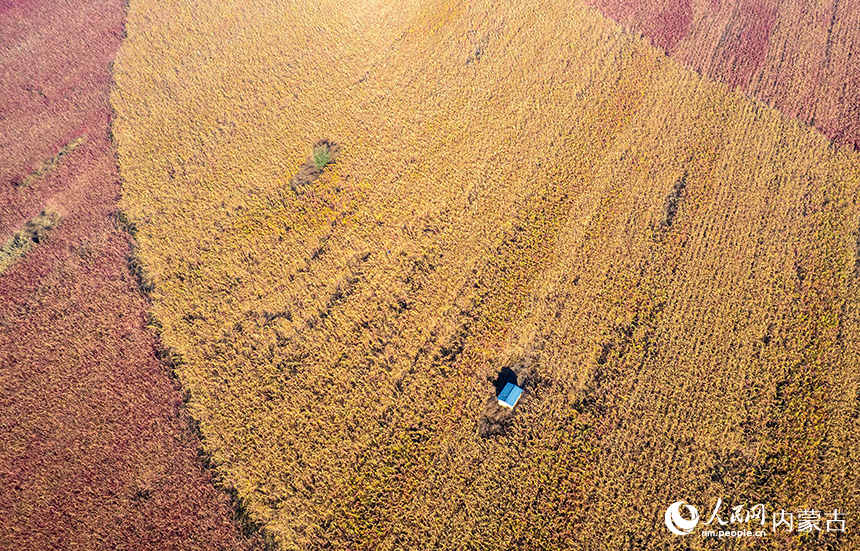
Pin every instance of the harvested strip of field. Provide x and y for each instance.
(672, 261)
(799, 57)
(97, 451)
(33, 233)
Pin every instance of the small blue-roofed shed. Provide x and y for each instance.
(510, 395)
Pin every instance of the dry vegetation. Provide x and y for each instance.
(669, 265)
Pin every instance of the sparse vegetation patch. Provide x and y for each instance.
(323, 154)
(33, 233)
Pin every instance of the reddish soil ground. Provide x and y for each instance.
(796, 56)
(97, 452)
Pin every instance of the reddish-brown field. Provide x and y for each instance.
(796, 56)
(97, 451)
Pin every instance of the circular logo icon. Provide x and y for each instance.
(676, 523)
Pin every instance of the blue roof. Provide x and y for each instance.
(510, 395)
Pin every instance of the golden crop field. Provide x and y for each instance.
(670, 267)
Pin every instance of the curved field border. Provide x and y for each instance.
(800, 57)
(97, 452)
